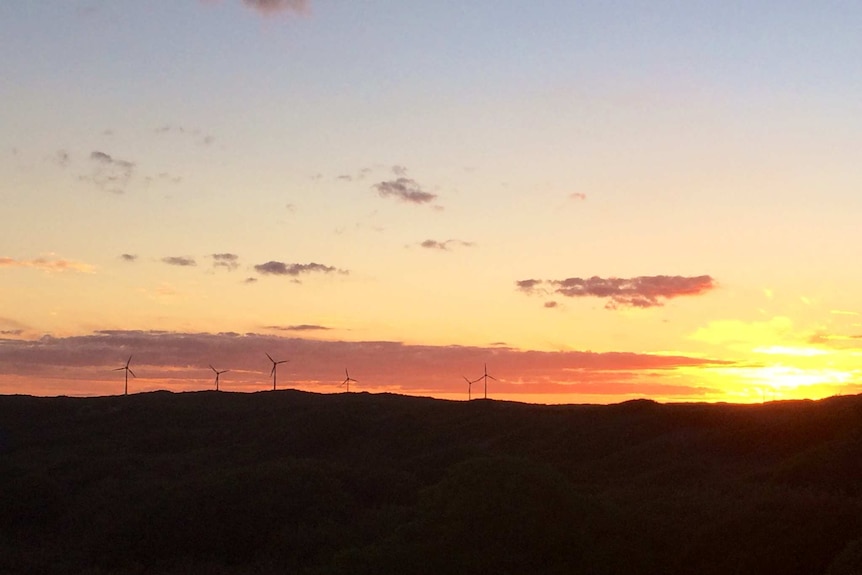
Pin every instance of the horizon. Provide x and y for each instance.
(601, 203)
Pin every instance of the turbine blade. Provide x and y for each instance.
(492, 377)
(128, 361)
(270, 357)
(212, 368)
(132, 372)
(119, 368)
(273, 369)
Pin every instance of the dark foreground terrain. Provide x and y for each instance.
(292, 482)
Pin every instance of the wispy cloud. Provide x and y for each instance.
(404, 189)
(272, 7)
(48, 265)
(62, 158)
(277, 268)
(275, 6)
(578, 196)
(109, 173)
(638, 292)
(180, 261)
(444, 245)
(197, 134)
(228, 261)
(129, 257)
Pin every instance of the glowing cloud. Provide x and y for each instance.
(639, 292)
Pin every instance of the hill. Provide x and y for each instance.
(293, 482)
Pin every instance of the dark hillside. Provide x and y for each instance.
(292, 482)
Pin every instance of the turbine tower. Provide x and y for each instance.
(347, 380)
(469, 387)
(275, 368)
(486, 377)
(128, 370)
(218, 373)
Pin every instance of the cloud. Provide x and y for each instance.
(249, 280)
(47, 265)
(301, 327)
(639, 292)
(578, 196)
(528, 286)
(11, 327)
(399, 171)
(445, 245)
(269, 7)
(282, 269)
(227, 261)
(551, 304)
(128, 257)
(406, 190)
(109, 173)
(62, 158)
(179, 261)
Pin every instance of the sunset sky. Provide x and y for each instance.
(599, 200)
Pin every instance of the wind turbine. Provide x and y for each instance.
(218, 373)
(469, 387)
(347, 380)
(128, 370)
(274, 368)
(486, 377)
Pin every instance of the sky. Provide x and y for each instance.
(593, 201)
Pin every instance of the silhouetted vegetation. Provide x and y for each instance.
(292, 482)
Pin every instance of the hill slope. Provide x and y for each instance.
(355, 483)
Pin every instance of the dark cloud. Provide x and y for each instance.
(528, 286)
(404, 189)
(180, 261)
(227, 261)
(301, 327)
(444, 245)
(640, 292)
(282, 269)
(250, 280)
(128, 257)
(551, 304)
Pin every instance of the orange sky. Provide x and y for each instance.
(598, 202)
